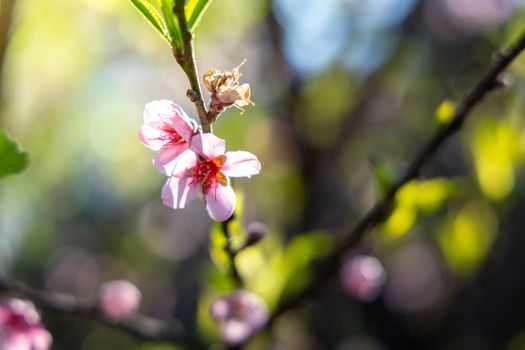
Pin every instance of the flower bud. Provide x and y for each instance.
(21, 328)
(241, 314)
(256, 232)
(363, 276)
(118, 299)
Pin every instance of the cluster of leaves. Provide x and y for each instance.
(160, 14)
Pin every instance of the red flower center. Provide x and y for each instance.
(169, 135)
(17, 322)
(208, 174)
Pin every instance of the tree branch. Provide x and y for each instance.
(140, 326)
(185, 56)
(234, 271)
(331, 264)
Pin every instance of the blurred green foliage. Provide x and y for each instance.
(12, 159)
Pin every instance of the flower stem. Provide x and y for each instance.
(232, 253)
(185, 57)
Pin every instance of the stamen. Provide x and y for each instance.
(206, 175)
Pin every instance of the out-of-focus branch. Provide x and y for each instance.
(185, 56)
(6, 18)
(234, 271)
(140, 326)
(331, 264)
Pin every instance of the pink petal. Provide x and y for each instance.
(220, 202)
(240, 163)
(168, 154)
(40, 338)
(16, 341)
(220, 309)
(177, 192)
(118, 299)
(161, 112)
(151, 137)
(208, 145)
(235, 331)
(5, 315)
(184, 126)
(186, 160)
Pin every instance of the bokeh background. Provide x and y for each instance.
(338, 86)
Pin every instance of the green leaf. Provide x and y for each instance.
(12, 159)
(194, 10)
(217, 247)
(385, 176)
(171, 22)
(218, 241)
(445, 113)
(152, 16)
(295, 264)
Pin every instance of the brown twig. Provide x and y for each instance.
(234, 271)
(140, 326)
(185, 57)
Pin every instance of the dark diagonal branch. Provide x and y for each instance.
(331, 264)
(140, 326)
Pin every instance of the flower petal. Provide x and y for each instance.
(186, 160)
(236, 331)
(156, 111)
(208, 145)
(151, 136)
(220, 202)
(177, 192)
(15, 340)
(40, 338)
(168, 154)
(161, 112)
(241, 164)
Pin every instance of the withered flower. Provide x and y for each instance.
(226, 91)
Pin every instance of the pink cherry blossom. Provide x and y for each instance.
(241, 314)
(166, 129)
(118, 299)
(21, 328)
(206, 169)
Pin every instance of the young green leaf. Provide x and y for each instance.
(445, 113)
(218, 243)
(385, 176)
(152, 16)
(194, 10)
(171, 22)
(12, 159)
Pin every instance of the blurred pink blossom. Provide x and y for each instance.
(363, 276)
(459, 18)
(166, 129)
(21, 328)
(118, 299)
(241, 314)
(206, 168)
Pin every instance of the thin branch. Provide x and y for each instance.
(331, 264)
(234, 271)
(185, 56)
(140, 326)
